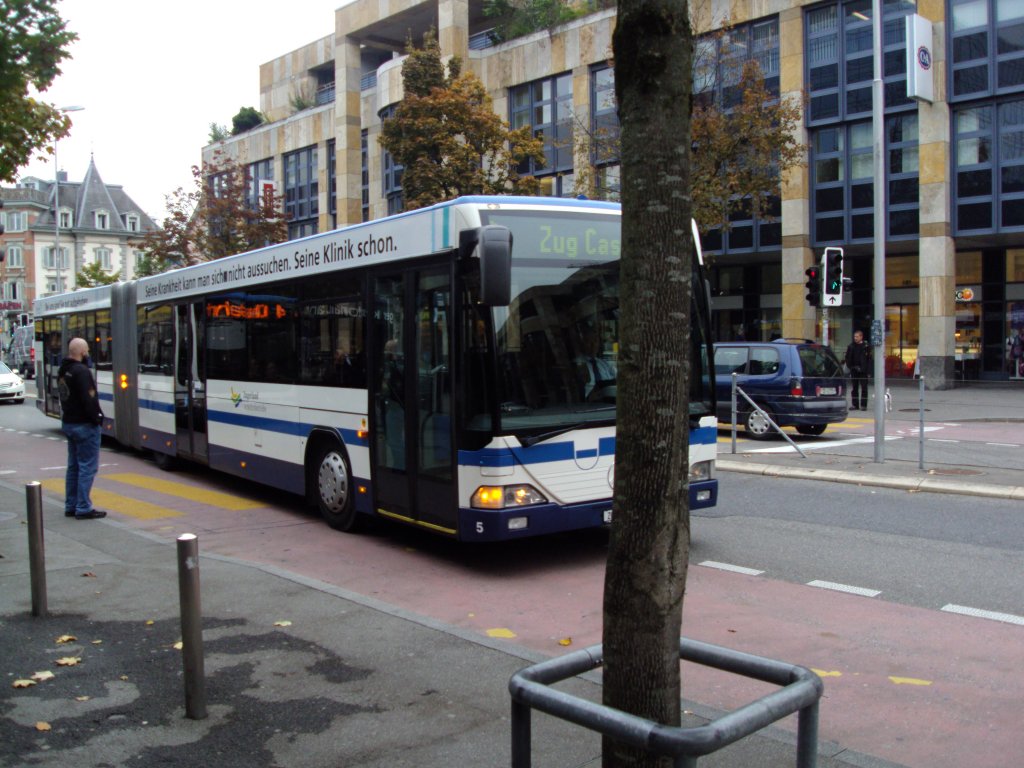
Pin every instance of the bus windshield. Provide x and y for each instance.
(557, 342)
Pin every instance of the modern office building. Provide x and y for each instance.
(954, 166)
(95, 223)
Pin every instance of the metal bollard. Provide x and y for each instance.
(920, 426)
(36, 555)
(191, 626)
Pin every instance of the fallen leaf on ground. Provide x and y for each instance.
(66, 639)
(82, 698)
(23, 683)
(88, 575)
(124, 677)
(282, 623)
(150, 623)
(41, 726)
(178, 645)
(97, 642)
(41, 676)
(565, 641)
(68, 661)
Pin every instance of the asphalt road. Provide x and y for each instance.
(885, 650)
(920, 549)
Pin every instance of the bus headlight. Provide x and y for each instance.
(505, 496)
(701, 470)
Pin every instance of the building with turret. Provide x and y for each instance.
(47, 240)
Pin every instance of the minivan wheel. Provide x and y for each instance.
(757, 426)
(811, 429)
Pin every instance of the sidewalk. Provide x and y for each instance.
(298, 673)
(952, 471)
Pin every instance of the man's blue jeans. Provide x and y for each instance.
(83, 463)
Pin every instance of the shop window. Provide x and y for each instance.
(1015, 339)
(968, 268)
(1015, 265)
(902, 338)
(901, 272)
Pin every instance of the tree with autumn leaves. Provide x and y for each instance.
(448, 138)
(214, 219)
(34, 42)
(739, 153)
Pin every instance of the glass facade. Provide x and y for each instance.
(301, 192)
(546, 106)
(988, 157)
(719, 60)
(391, 172)
(839, 69)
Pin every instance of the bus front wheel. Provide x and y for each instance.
(333, 486)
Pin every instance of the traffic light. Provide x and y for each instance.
(813, 285)
(833, 263)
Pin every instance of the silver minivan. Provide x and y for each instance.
(20, 353)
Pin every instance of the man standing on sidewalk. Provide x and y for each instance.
(81, 417)
(858, 360)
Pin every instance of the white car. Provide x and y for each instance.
(12, 386)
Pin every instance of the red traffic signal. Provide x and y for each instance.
(813, 286)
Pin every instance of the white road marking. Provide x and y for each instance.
(730, 567)
(1004, 445)
(1008, 618)
(845, 588)
(941, 440)
(819, 445)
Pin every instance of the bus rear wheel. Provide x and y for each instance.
(332, 483)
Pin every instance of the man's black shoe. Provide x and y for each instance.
(69, 514)
(92, 514)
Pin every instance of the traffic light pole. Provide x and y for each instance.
(824, 326)
(878, 143)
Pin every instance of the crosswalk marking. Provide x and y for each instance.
(183, 491)
(115, 502)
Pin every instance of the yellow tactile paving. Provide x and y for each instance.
(181, 490)
(115, 502)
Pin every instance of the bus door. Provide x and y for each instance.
(53, 348)
(190, 382)
(411, 395)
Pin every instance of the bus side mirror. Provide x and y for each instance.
(493, 244)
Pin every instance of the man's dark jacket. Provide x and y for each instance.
(858, 358)
(78, 400)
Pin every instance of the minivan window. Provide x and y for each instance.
(763, 361)
(819, 361)
(730, 360)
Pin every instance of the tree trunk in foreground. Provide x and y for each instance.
(648, 553)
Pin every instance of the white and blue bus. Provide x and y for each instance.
(451, 368)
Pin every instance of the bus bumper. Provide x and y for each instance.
(542, 519)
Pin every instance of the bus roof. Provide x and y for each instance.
(433, 229)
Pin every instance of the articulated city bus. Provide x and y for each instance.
(451, 368)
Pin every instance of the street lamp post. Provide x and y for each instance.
(58, 261)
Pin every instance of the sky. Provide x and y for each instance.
(153, 76)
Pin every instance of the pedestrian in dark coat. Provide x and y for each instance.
(858, 360)
(81, 419)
